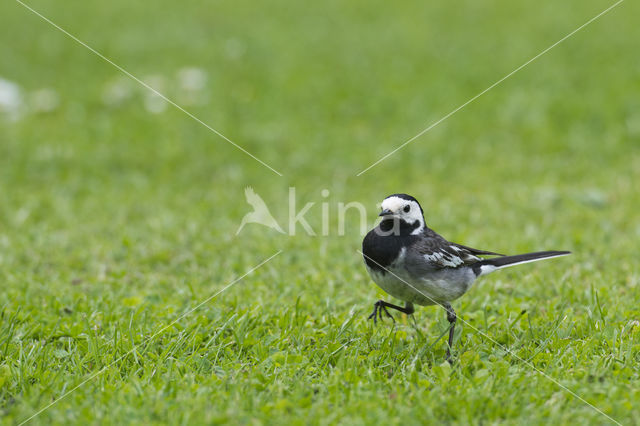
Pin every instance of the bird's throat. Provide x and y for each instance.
(398, 227)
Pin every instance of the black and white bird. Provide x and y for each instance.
(413, 263)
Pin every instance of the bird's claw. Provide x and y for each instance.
(378, 308)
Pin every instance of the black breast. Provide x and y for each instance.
(381, 247)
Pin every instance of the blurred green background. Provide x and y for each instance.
(118, 212)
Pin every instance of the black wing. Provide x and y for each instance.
(440, 253)
(476, 251)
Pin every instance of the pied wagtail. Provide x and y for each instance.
(413, 263)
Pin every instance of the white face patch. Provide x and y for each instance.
(398, 206)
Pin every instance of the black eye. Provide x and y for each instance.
(407, 208)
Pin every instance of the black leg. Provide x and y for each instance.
(451, 317)
(381, 306)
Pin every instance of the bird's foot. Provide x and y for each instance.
(449, 358)
(378, 308)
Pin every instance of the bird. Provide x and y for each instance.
(260, 213)
(416, 265)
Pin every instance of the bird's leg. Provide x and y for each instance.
(381, 306)
(451, 317)
(408, 308)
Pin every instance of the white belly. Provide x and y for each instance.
(441, 286)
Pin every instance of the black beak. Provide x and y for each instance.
(386, 212)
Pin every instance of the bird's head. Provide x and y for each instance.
(403, 207)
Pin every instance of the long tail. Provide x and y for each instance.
(487, 266)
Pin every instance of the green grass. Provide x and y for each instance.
(114, 221)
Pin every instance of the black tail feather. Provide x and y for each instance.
(489, 265)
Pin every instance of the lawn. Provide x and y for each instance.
(125, 296)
